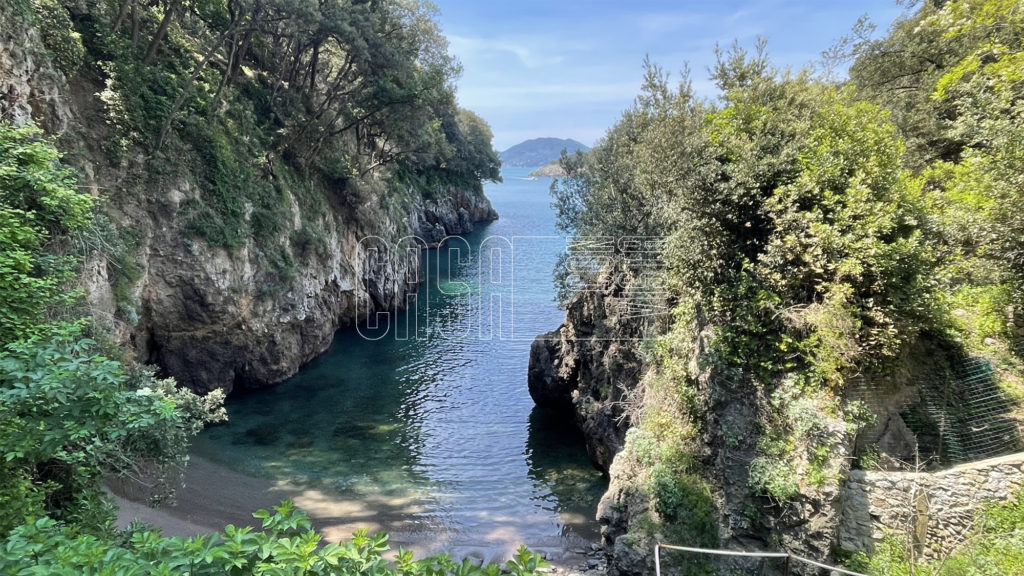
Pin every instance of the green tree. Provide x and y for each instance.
(474, 155)
(69, 414)
(793, 231)
(950, 74)
(986, 87)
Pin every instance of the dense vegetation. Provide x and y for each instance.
(286, 545)
(342, 88)
(815, 231)
(336, 103)
(69, 414)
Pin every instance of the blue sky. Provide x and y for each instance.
(569, 68)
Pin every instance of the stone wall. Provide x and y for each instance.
(937, 510)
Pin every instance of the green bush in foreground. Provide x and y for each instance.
(286, 545)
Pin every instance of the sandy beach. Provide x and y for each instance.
(214, 496)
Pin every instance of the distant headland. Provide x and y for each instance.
(539, 152)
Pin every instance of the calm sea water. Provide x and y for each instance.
(438, 428)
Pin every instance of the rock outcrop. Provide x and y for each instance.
(587, 367)
(591, 370)
(206, 318)
(552, 170)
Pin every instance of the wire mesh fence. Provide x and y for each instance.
(962, 417)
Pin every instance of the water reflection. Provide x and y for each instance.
(564, 480)
(429, 418)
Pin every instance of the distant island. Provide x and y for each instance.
(552, 170)
(539, 152)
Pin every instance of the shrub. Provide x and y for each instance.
(59, 36)
(40, 205)
(286, 544)
(69, 414)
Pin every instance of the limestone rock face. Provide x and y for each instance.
(551, 376)
(31, 87)
(586, 368)
(211, 317)
(208, 319)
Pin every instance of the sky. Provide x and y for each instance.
(568, 68)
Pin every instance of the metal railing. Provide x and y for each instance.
(787, 557)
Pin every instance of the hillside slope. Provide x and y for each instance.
(798, 283)
(538, 152)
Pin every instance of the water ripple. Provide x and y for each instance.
(442, 421)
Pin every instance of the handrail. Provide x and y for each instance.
(825, 566)
(786, 555)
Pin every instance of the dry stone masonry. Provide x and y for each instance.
(938, 510)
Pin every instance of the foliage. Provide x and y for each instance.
(252, 101)
(986, 87)
(59, 36)
(69, 414)
(801, 447)
(285, 545)
(788, 216)
(620, 187)
(473, 156)
(662, 447)
(374, 78)
(898, 71)
(39, 206)
(950, 73)
(684, 503)
(791, 226)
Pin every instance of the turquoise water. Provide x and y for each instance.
(438, 431)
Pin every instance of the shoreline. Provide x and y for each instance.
(214, 496)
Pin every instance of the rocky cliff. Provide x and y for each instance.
(211, 316)
(592, 370)
(595, 370)
(208, 318)
(589, 367)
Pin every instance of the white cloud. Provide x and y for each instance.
(543, 96)
(533, 52)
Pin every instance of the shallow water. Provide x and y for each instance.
(438, 431)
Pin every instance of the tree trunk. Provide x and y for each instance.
(243, 48)
(122, 13)
(135, 24)
(187, 88)
(314, 64)
(223, 79)
(165, 23)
